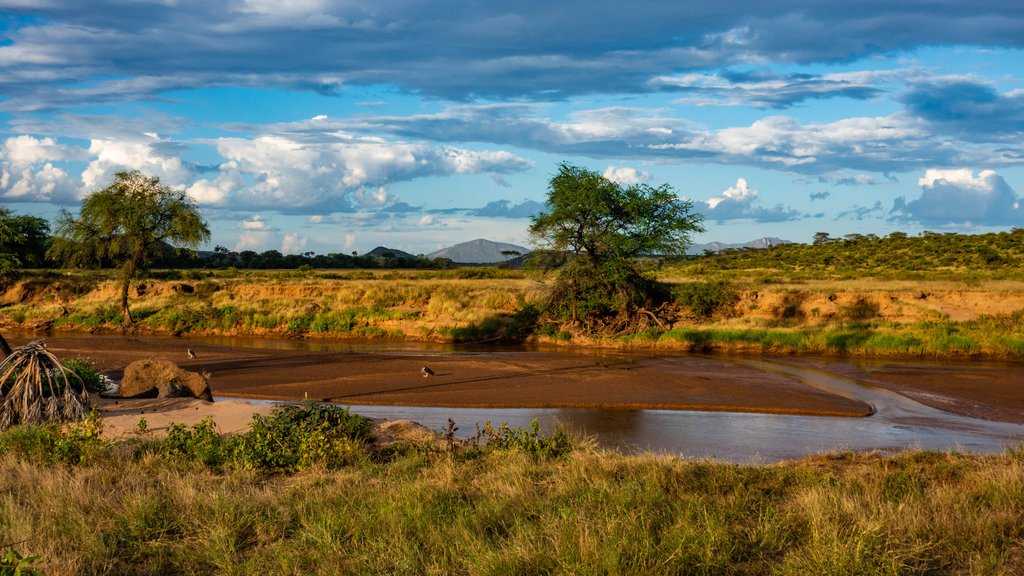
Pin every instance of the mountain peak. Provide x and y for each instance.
(764, 242)
(479, 251)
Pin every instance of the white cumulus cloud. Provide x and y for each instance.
(958, 196)
(27, 172)
(335, 172)
(148, 153)
(626, 176)
(739, 202)
(293, 243)
(741, 195)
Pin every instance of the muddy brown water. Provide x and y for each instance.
(628, 401)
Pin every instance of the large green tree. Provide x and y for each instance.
(604, 230)
(23, 241)
(127, 224)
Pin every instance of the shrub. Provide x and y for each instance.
(52, 443)
(200, 442)
(529, 440)
(94, 381)
(296, 437)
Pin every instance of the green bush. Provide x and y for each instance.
(297, 437)
(528, 440)
(199, 443)
(76, 444)
(95, 382)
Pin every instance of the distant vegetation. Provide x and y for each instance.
(742, 310)
(854, 255)
(608, 276)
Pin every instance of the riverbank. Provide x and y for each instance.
(937, 318)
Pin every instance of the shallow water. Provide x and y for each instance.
(897, 423)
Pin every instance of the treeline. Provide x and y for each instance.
(25, 240)
(868, 253)
(222, 258)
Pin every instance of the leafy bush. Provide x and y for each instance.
(200, 443)
(296, 437)
(75, 444)
(529, 440)
(95, 382)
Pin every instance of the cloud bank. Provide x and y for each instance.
(958, 197)
(59, 48)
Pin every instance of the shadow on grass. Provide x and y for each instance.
(512, 328)
(848, 339)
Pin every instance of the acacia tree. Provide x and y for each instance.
(604, 229)
(127, 224)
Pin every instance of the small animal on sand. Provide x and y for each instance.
(191, 354)
(427, 372)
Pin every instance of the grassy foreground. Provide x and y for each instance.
(517, 504)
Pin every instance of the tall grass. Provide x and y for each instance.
(507, 511)
(876, 338)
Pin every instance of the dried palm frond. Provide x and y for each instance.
(36, 387)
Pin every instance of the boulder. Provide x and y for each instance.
(162, 379)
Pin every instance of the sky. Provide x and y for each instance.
(336, 126)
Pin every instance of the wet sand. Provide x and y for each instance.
(528, 379)
(979, 389)
(499, 379)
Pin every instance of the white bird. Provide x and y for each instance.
(427, 372)
(191, 354)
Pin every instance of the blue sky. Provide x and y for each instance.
(330, 126)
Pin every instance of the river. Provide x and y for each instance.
(897, 423)
(390, 375)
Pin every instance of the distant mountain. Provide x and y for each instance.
(380, 251)
(767, 242)
(477, 251)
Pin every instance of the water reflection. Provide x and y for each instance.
(734, 437)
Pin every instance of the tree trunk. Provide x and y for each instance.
(125, 282)
(127, 273)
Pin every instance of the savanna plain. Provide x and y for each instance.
(314, 489)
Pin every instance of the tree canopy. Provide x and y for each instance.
(128, 223)
(23, 241)
(604, 229)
